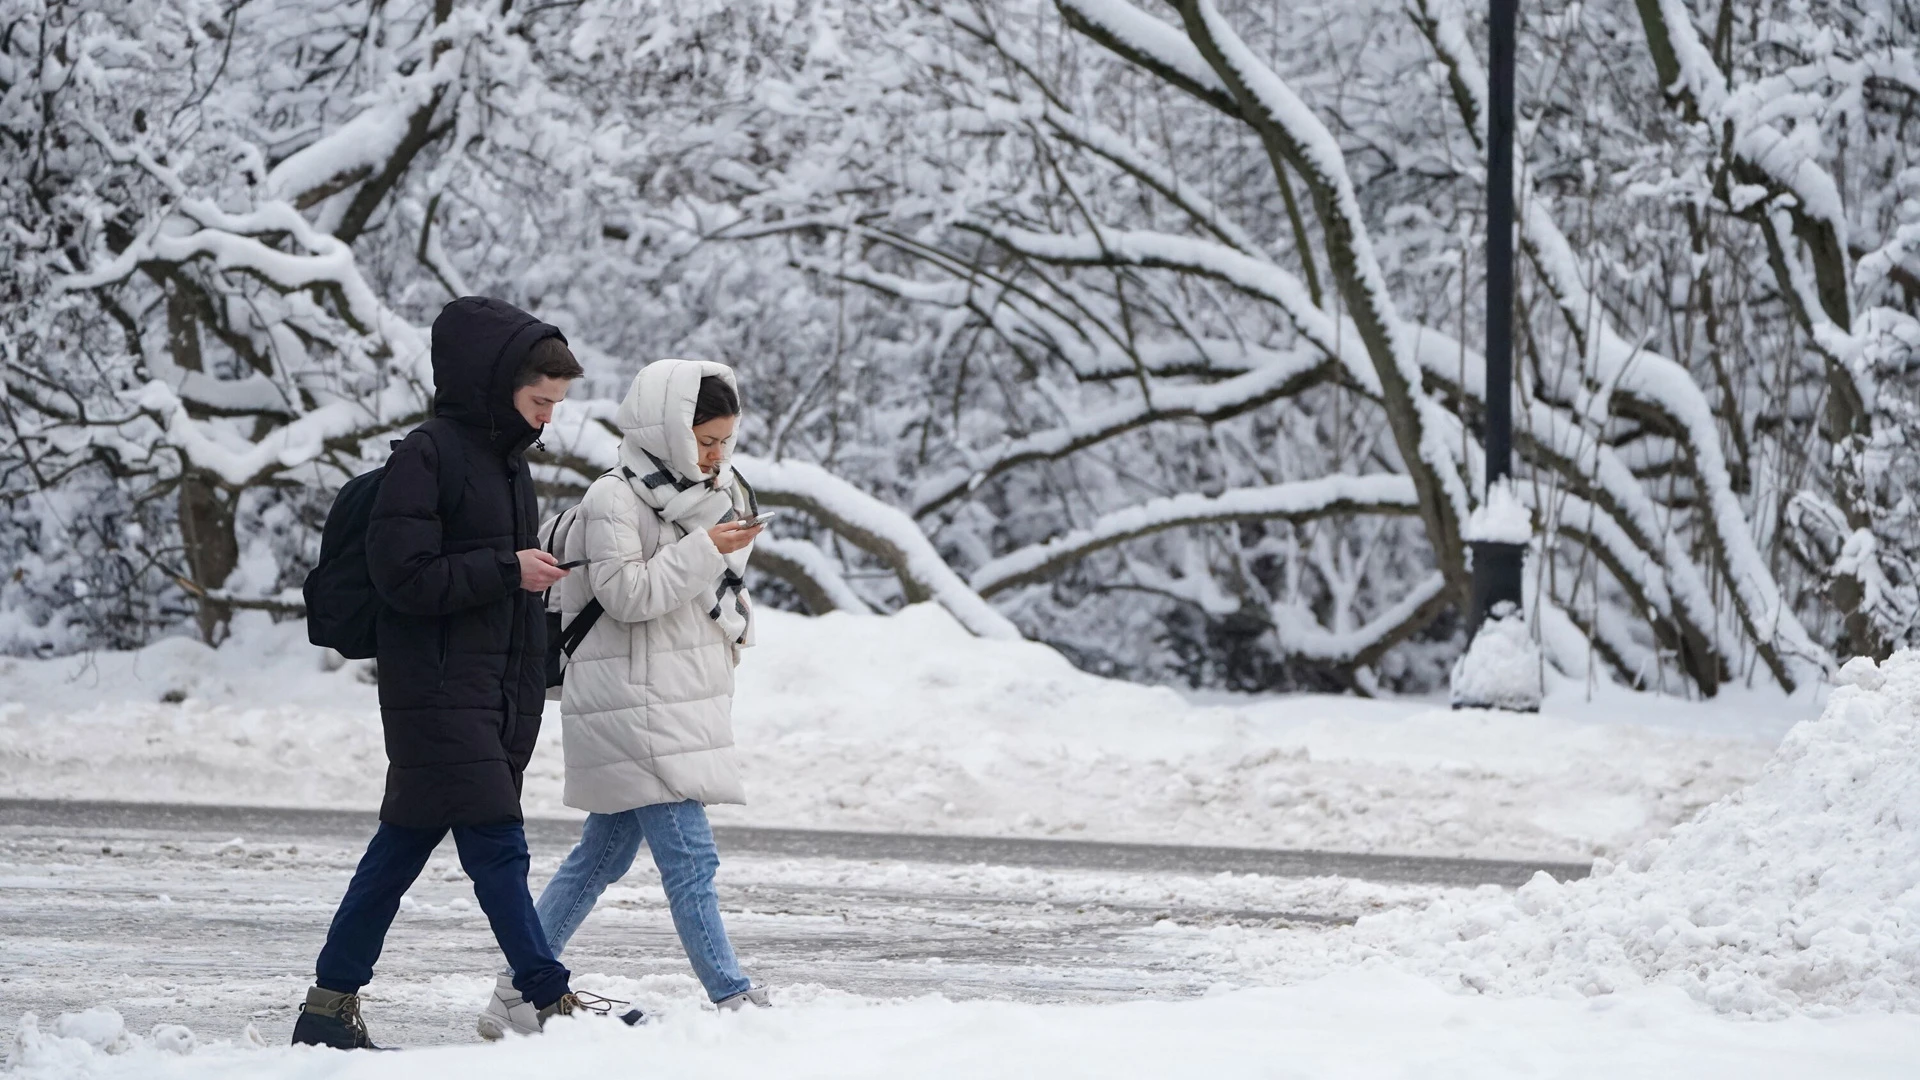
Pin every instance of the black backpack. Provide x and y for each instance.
(343, 608)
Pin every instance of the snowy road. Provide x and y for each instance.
(209, 916)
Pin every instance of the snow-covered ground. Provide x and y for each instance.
(909, 723)
(1372, 1023)
(1774, 935)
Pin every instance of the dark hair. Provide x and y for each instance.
(548, 359)
(716, 400)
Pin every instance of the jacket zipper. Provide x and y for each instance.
(509, 703)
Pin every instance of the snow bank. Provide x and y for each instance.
(1358, 1024)
(1801, 892)
(909, 723)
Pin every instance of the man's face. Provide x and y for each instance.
(536, 402)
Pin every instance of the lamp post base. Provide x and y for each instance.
(1501, 668)
(1497, 567)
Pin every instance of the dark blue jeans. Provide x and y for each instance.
(494, 856)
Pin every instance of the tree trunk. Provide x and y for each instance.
(212, 551)
(206, 509)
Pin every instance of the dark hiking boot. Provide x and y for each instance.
(581, 1003)
(756, 997)
(332, 1019)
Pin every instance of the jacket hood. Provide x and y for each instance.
(479, 345)
(656, 418)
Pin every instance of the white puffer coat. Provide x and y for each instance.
(647, 707)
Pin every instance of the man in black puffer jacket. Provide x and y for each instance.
(462, 650)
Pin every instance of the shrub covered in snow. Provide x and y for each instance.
(1801, 892)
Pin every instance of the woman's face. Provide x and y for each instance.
(715, 439)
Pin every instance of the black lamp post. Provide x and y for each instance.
(1497, 564)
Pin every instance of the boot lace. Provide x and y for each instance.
(580, 1001)
(348, 1013)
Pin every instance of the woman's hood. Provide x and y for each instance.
(656, 417)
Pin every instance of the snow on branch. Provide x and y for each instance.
(1292, 132)
(1570, 636)
(1642, 574)
(345, 156)
(1691, 75)
(1257, 277)
(198, 230)
(1122, 152)
(1662, 385)
(242, 463)
(1151, 44)
(883, 530)
(811, 572)
(1016, 317)
(584, 441)
(1798, 195)
(1101, 140)
(1651, 382)
(345, 175)
(1301, 500)
(1285, 376)
(1302, 635)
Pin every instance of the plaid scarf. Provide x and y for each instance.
(698, 504)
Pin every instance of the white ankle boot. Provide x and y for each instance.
(757, 997)
(507, 1011)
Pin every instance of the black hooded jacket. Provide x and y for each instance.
(462, 646)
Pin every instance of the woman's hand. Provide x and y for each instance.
(731, 536)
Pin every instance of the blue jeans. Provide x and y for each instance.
(494, 856)
(682, 843)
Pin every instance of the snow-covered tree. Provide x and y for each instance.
(1150, 327)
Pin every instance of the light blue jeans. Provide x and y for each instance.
(682, 843)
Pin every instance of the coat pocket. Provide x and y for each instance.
(637, 666)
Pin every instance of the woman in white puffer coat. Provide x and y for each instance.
(646, 709)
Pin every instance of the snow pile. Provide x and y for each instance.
(1501, 668)
(77, 1043)
(262, 721)
(1801, 892)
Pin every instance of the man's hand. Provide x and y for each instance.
(538, 570)
(731, 536)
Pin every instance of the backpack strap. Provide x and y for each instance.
(576, 631)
